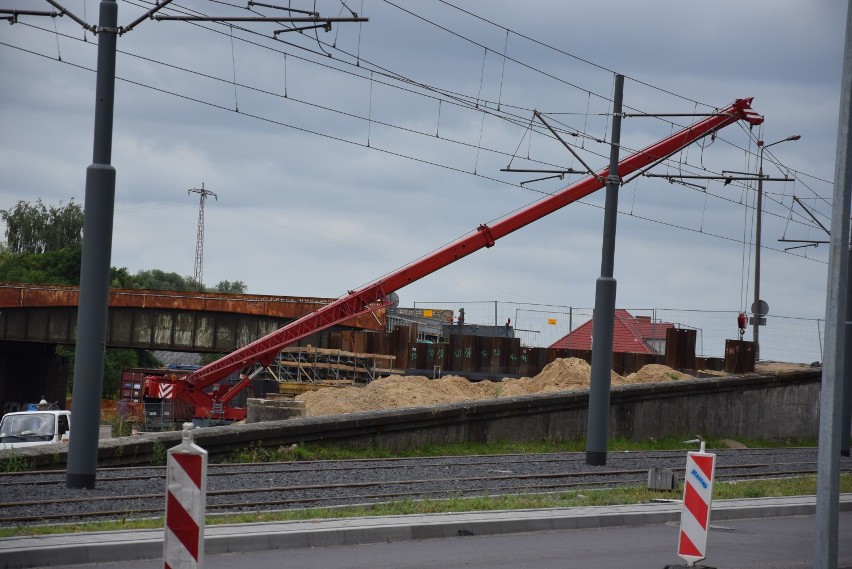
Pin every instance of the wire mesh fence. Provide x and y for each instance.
(783, 338)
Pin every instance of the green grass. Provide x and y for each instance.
(256, 453)
(14, 462)
(722, 491)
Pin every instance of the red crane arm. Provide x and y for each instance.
(372, 296)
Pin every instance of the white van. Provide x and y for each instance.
(29, 428)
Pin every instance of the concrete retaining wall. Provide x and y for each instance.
(754, 407)
(260, 410)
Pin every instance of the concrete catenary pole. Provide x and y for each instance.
(831, 393)
(94, 272)
(846, 420)
(604, 315)
(756, 311)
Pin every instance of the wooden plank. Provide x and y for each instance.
(322, 365)
(389, 371)
(336, 352)
(374, 356)
(296, 387)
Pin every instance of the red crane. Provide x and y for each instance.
(191, 388)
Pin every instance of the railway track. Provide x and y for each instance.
(138, 492)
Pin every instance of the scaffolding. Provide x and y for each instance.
(308, 364)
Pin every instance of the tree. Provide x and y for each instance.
(44, 245)
(35, 228)
(154, 279)
(61, 266)
(115, 360)
(235, 287)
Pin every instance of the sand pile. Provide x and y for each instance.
(397, 391)
(564, 374)
(655, 372)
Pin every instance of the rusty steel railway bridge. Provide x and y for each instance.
(34, 318)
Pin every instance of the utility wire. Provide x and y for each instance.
(339, 112)
(368, 119)
(336, 138)
(468, 100)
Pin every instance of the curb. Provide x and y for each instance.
(104, 547)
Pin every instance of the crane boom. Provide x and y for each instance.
(373, 295)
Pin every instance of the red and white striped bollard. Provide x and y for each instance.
(697, 499)
(186, 497)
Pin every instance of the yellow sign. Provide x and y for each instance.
(427, 313)
(551, 321)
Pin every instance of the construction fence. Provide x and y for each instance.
(783, 338)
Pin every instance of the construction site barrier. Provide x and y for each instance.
(697, 499)
(186, 497)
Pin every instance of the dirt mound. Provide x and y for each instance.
(397, 391)
(564, 374)
(655, 372)
(394, 392)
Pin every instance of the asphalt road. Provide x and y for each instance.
(776, 543)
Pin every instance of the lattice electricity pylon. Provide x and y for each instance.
(199, 238)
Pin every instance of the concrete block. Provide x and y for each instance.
(236, 543)
(260, 410)
(433, 531)
(289, 540)
(326, 538)
(662, 479)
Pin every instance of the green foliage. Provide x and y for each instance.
(115, 359)
(36, 228)
(60, 266)
(235, 287)
(256, 453)
(44, 246)
(121, 427)
(153, 279)
(14, 462)
(156, 279)
(119, 278)
(159, 454)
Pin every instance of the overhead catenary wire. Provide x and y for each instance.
(440, 101)
(234, 67)
(449, 96)
(493, 104)
(530, 39)
(530, 141)
(394, 153)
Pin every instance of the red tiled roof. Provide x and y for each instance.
(628, 334)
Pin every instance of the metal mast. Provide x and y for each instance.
(199, 237)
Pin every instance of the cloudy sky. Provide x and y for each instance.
(338, 157)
